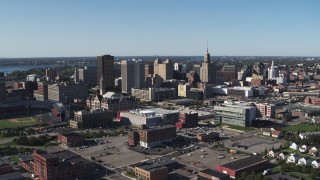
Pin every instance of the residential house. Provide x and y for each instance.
(303, 149)
(314, 151)
(266, 131)
(293, 158)
(271, 153)
(307, 134)
(271, 132)
(294, 146)
(315, 163)
(277, 134)
(304, 161)
(282, 156)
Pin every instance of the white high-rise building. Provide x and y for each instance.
(273, 71)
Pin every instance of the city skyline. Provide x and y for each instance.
(166, 28)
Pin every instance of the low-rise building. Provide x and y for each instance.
(210, 174)
(151, 173)
(154, 94)
(112, 101)
(61, 165)
(91, 119)
(149, 117)
(148, 169)
(71, 139)
(152, 137)
(235, 168)
(202, 137)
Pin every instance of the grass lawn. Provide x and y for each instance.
(305, 176)
(301, 127)
(240, 128)
(15, 158)
(18, 122)
(130, 174)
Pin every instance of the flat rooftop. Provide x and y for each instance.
(154, 163)
(243, 163)
(214, 173)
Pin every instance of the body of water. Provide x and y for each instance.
(10, 69)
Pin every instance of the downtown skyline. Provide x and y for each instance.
(166, 28)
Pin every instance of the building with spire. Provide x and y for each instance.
(207, 70)
(102, 84)
(273, 71)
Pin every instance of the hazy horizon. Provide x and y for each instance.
(78, 28)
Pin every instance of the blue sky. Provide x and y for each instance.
(37, 28)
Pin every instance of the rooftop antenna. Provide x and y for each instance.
(207, 46)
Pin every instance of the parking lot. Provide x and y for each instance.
(114, 153)
(252, 144)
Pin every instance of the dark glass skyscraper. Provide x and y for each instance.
(105, 68)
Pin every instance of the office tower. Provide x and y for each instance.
(164, 70)
(41, 94)
(258, 68)
(133, 75)
(207, 70)
(88, 75)
(102, 83)
(149, 70)
(105, 67)
(229, 72)
(273, 71)
(3, 91)
(51, 74)
(66, 93)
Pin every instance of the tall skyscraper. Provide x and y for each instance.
(105, 68)
(149, 70)
(207, 70)
(273, 71)
(51, 74)
(133, 75)
(229, 72)
(3, 91)
(177, 67)
(88, 75)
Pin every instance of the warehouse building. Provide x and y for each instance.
(235, 168)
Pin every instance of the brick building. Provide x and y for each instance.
(312, 100)
(207, 136)
(210, 174)
(45, 166)
(187, 120)
(152, 137)
(265, 110)
(61, 165)
(91, 119)
(71, 139)
(235, 168)
(154, 169)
